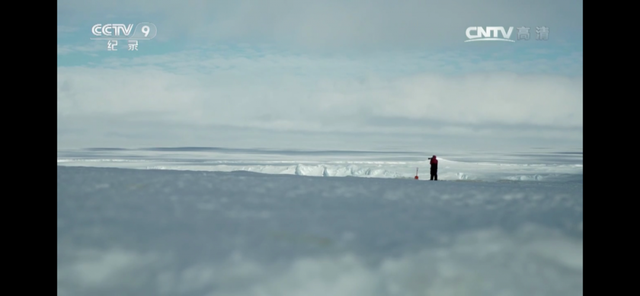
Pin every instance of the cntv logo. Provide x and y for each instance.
(489, 34)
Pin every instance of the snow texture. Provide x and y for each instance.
(124, 231)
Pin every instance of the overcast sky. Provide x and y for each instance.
(325, 74)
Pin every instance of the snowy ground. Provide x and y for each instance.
(198, 231)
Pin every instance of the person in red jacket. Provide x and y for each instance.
(434, 168)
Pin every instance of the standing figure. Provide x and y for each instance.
(434, 168)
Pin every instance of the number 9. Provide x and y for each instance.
(145, 30)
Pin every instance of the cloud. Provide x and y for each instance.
(483, 262)
(326, 67)
(303, 93)
(188, 95)
(90, 48)
(334, 24)
(87, 271)
(62, 29)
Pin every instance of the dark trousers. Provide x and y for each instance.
(434, 172)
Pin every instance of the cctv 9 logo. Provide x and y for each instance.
(143, 31)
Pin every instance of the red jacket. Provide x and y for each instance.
(433, 160)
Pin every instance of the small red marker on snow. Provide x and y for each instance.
(416, 177)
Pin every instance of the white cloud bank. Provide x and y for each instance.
(181, 97)
(485, 262)
(306, 95)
